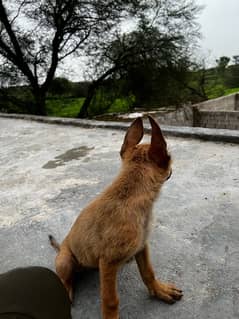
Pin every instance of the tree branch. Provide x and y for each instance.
(17, 57)
(76, 46)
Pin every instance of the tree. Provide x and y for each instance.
(35, 36)
(236, 59)
(222, 64)
(232, 74)
(164, 36)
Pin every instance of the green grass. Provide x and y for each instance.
(64, 106)
(121, 105)
(220, 90)
(215, 91)
(231, 91)
(70, 107)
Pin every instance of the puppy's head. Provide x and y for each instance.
(154, 154)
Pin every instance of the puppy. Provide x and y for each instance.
(114, 227)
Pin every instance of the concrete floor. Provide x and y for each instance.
(49, 172)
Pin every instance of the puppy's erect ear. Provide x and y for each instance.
(158, 147)
(133, 136)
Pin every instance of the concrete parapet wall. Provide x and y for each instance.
(220, 119)
(199, 118)
(180, 117)
(207, 134)
(224, 103)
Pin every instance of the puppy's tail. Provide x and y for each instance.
(54, 243)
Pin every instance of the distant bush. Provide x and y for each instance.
(60, 86)
(64, 87)
(232, 76)
(79, 89)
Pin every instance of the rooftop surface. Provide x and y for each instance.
(50, 172)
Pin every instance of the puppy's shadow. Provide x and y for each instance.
(86, 303)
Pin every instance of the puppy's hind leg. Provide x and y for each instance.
(166, 292)
(65, 266)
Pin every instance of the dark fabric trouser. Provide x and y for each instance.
(33, 292)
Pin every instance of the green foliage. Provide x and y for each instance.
(63, 106)
(215, 91)
(64, 99)
(231, 91)
(69, 107)
(109, 98)
(101, 102)
(223, 79)
(232, 76)
(122, 105)
(16, 100)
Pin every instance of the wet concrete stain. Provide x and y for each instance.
(72, 154)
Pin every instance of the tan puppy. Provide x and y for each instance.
(114, 227)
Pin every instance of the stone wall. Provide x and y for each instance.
(192, 116)
(222, 113)
(180, 117)
(221, 119)
(224, 103)
(218, 113)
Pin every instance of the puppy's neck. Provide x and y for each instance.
(134, 182)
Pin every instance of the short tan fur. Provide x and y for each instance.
(114, 227)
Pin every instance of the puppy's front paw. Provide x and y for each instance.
(166, 292)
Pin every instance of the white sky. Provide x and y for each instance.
(220, 28)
